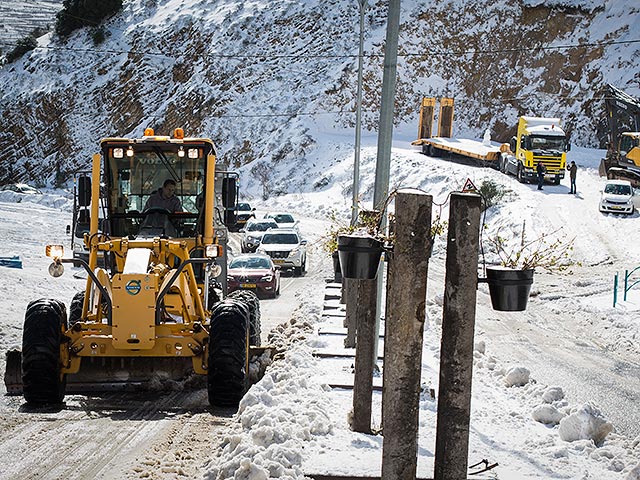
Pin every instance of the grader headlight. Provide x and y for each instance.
(55, 252)
(213, 251)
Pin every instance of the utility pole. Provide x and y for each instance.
(356, 162)
(385, 133)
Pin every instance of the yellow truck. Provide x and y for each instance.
(538, 140)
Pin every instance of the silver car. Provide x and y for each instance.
(252, 233)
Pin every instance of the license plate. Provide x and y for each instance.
(248, 285)
(278, 260)
(615, 207)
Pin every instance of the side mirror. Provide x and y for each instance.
(242, 230)
(84, 191)
(303, 242)
(229, 188)
(568, 147)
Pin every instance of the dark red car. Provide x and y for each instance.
(254, 272)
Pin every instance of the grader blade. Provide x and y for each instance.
(107, 374)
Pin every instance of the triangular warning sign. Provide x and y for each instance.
(469, 186)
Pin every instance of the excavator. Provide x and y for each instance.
(622, 160)
(154, 308)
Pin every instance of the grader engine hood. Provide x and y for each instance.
(134, 301)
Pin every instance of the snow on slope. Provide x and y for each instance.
(266, 80)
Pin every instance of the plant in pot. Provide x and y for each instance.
(510, 282)
(330, 241)
(360, 246)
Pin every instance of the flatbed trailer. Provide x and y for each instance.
(435, 146)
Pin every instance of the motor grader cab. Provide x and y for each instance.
(154, 309)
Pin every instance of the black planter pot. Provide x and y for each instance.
(509, 288)
(359, 256)
(337, 273)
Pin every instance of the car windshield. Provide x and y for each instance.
(615, 189)
(283, 218)
(250, 262)
(244, 207)
(271, 238)
(261, 226)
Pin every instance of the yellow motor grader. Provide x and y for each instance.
(156, 307)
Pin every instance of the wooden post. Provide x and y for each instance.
(365, 354)
(405, 315)
(351, 290)
(456, 352)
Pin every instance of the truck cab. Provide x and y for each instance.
(538, 140)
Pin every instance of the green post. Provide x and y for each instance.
(626, 284)
(615, 290)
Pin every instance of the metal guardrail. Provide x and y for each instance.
(628, 285)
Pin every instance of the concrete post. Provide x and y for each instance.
(365, 355)
(456, 353)
(405, 315)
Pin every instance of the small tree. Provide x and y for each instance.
(77, 14)
(23, 46)
(492, 193)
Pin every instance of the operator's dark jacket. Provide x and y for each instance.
(573, 170)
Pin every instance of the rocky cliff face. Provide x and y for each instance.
(268, 81)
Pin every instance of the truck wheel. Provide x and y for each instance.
(556, 181)
(228, 354)
(42, 380)
(75, 308)
(520, 175)
(253, 303)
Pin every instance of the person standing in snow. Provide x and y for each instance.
(573, 170)
(540, 170)
(165, 198)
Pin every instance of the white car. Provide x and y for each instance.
(286, 248)
(283, 219)
(617, 197)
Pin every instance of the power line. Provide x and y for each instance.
(262, 56)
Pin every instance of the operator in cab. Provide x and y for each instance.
(165, 197)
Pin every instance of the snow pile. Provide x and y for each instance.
(285, 409)
(517, 376)
(586, 423)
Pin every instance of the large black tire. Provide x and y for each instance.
(227, 377)
(520, 175)
(75, 308)
(253, 303)
(42, 380)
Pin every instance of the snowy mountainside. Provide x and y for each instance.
(269, 81)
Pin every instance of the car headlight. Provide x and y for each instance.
(266, 278)
(252, 238)
(294, 252)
